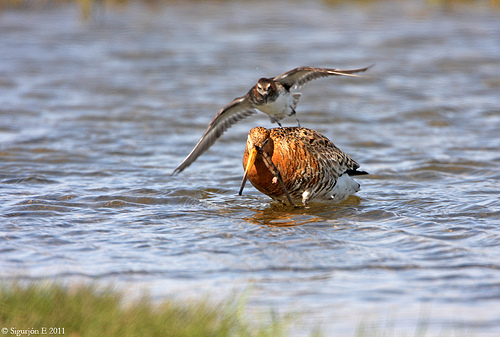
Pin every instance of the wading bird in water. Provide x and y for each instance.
(298, 165)
(272, 96)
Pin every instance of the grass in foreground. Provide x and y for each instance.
(90, 311)
(86, 311)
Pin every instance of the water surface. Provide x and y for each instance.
(95, 115)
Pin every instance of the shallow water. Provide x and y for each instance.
(95, 115)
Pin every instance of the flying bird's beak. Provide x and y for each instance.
(251, 160)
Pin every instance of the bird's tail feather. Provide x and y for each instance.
(356, 173)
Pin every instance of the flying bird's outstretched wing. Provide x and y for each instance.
(243, 107)
(298, 77)
(227, 116)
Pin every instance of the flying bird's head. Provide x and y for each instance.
(264, 89)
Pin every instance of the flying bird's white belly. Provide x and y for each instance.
(280, 108)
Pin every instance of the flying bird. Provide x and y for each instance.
(298, 165)
(271, 96)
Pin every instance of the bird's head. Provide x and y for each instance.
(258, 141)
(264, 88)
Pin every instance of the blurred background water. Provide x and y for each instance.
(95, 114)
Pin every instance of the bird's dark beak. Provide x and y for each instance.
(264, 96)
(251, 160)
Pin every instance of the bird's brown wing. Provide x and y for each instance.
(235, 111)
(325, 152)
(298, 77)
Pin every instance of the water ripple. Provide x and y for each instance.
(95, 116)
